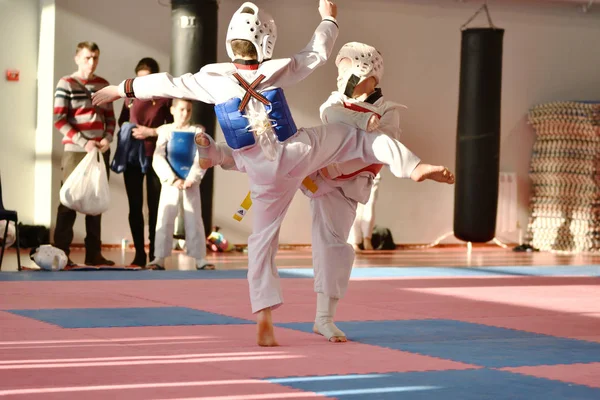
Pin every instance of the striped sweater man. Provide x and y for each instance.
(75, 116)
(84, 128)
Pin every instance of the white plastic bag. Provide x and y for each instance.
(49, 258)
(11, 235)
(86, 190)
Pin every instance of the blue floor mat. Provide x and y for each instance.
(469, 343)
(451, 271)
(105, 275)
(127, 317)
(306, 273)
(480, 384)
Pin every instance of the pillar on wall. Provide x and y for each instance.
(47, 165)
(193, 45)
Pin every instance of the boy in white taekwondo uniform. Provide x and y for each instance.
(344, 186)
(177, 165)
(258, 126)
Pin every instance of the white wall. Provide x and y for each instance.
(19, 33)
(550, 53)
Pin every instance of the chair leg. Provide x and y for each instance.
(3, 244)
(18, 246)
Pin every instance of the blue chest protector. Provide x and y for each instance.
(181, 151)
(235, 125)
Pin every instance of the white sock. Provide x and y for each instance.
(326, 307)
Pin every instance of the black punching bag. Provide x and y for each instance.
(478, 135)
(193, 45)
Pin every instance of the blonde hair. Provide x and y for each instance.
(244, 48)
(177, 101)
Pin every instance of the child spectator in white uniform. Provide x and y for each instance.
(177, 165)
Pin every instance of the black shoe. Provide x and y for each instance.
(156, 264)
(70, 264)
(525, 248)
(139, 260)
(98, 260)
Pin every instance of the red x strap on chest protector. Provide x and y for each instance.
(250, 92)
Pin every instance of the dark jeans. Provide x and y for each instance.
(134, 185)
(65, 218)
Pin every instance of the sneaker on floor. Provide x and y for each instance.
(98, 260)
(157, 264)
(202, 264)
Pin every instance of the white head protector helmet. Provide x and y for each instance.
(49, 258)
(254, 25)
(366, 62)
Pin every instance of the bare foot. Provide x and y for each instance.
(337, 336)
(265, 336)
(367, 245)
(436, 173)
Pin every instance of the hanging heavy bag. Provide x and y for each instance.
(478, 134)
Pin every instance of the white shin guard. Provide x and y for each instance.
(209, 151)
(217, 153)
(324, 325)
